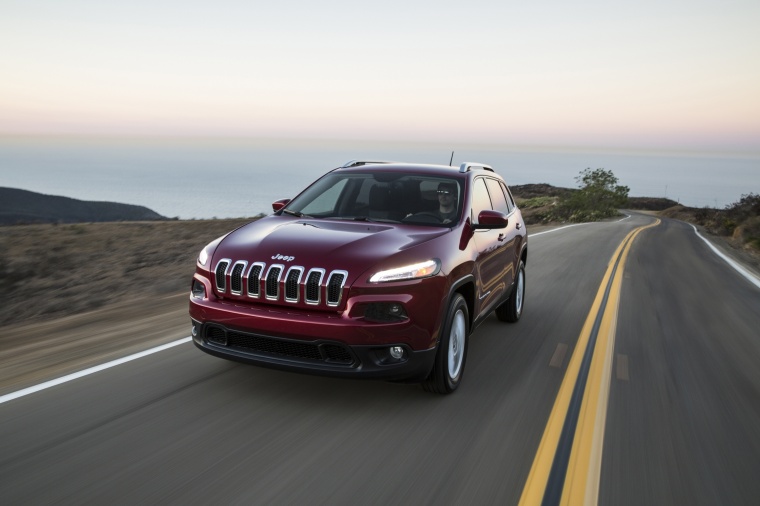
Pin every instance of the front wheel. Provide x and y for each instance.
(511, 310)
(452, 350)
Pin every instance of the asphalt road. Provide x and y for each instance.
(179, 426)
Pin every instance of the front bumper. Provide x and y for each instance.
(316, 356)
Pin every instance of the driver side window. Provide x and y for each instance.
(480, 199)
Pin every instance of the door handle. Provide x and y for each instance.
(502, 237)
(518, 226)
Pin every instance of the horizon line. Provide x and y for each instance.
(259, 139)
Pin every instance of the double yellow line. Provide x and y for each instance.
(567, 466)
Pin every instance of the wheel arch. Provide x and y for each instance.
(465, 287)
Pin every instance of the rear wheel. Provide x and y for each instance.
(452, 350)
(511, 309)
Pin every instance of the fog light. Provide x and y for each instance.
(199, 290)
(385, 312)
(195, 330)
(397, 352)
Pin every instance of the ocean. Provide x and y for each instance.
(200, 179)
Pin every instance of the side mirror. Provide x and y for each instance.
(489, 220)
(279, 204)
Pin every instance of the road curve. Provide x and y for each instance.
(183, 427)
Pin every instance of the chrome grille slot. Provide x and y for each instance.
(273, 282)
(236, 278)
(292, 283)
(254, 279)
(335, 287)
(314, 286)
(221, 274)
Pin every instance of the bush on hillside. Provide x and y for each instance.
(599, 197)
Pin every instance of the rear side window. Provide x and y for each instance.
(510, 200)
(498, 198)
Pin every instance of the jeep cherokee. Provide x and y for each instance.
(376, 270)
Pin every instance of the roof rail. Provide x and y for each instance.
(466, 166)
(358, 163)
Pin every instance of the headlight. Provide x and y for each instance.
(203, 257)
(206, 252)
(414, 271)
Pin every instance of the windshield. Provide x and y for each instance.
(381, 196)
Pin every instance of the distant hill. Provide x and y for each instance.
(25, 207)
(538, 201)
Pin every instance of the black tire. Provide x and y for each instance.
(452, 349)
(511, 310)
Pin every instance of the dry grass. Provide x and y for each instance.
(49, 271)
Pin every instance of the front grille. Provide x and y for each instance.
(221, 275)
(254, 280)
(292, 282)
(216, 335)
(313, 281)
(335, 287)
(236, 278)
(280, 283)
(336, 353)
(273, 282)
(332, 353)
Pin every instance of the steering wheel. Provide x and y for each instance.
(424, 217)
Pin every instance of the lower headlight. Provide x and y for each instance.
(385, 312)
(198, 290)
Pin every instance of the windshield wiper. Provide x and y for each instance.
(296, 213)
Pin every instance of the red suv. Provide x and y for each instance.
(376, 270)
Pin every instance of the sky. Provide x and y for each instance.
(648, 74)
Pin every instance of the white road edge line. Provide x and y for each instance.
(91, 370)
(575, 225)
(555, 229)
(741, 270)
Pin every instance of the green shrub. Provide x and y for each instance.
(537, 202)
(599, 197)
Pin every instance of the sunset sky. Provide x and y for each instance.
(647, 74)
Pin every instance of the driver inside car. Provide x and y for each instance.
(447, 202)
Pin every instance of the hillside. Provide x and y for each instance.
(51, 270)
(738, 224)
(537, 201)
(26, 207)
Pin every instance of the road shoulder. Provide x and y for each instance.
(32, 353)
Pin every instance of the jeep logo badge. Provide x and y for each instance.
(283, 258)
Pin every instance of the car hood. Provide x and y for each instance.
(328, 244)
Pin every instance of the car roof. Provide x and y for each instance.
(432, 169)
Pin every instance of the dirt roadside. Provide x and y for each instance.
(80, 295)
(37, 352)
